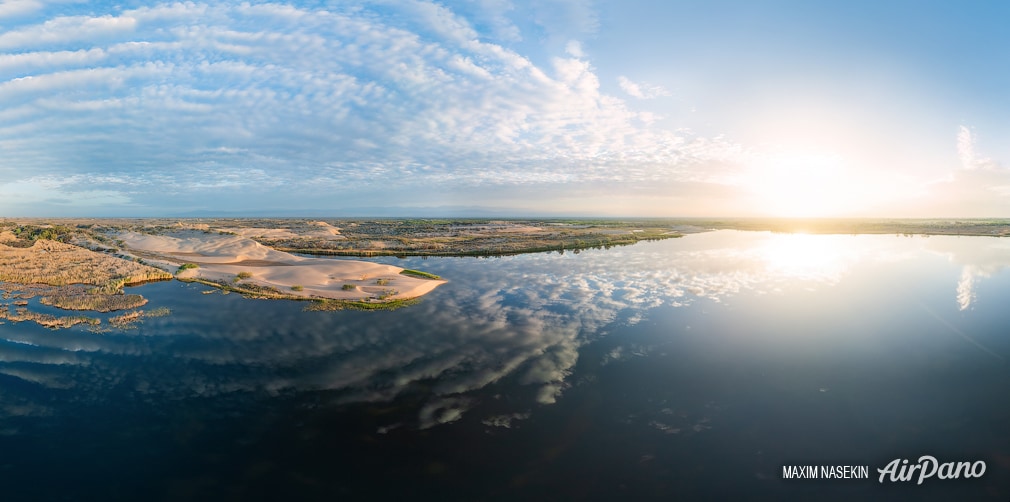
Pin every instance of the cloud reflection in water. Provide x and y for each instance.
(978, 257)
(521, 317)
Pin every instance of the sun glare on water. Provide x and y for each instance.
(803, 256)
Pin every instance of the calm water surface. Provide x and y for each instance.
(687, 369)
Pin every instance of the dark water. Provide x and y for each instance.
(688, 369)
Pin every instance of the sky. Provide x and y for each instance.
(551, 108)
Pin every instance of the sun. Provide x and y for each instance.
(801, 185)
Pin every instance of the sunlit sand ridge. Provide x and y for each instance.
(233, 258)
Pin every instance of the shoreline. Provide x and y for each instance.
(250, 267)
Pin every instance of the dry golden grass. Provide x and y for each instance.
(58, 264)
(96, 302)
(127, 319)
(47, 320)
(130, 319)
(61, 274)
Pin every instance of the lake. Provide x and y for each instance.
(685, 369)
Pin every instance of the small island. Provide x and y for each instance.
(83, 267)
(236, 263)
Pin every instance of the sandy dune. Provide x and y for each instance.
(223, 257)
(322, 230)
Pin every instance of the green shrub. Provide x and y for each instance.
(418, 273)
(382, 282)
(187, 266)
(243, 275)
(296, 288)
(347, 287)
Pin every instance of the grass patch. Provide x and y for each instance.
(158, 312)
(58, 264)
(331, 305)
(187, 266)
(382, 282)
(96, 302)
(243, 275)
(317, 304)
(247, 290)
(418, 273)
(297, 288)
(348, 287)
(46, 320)
(127, 320)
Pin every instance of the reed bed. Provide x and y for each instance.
(47, 320)
(71, 278)
(58, 264)
(127, 319)
(130, 319)
(95, 302)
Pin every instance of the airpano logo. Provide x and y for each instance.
(928, 467)
(897, 470)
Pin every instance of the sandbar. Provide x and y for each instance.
(223, 257)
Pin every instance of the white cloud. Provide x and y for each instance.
(33, 61)
(415, 90)
(641, 91)
(966, 147)
(64, 30)
(978, 188)
(496, 15)
(574, 49)
(966, 150)
(440, 20)
(16, 8)
(342, 95)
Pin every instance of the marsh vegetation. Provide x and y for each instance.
(79, 300)
(130, 319)
(325, 305)
(58, 264)
(65, 276)
(469, 237)
(21, 314)
(418, 273)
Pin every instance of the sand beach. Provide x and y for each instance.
(238, 259)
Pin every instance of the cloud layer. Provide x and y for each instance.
(134, 109)
(159, 106)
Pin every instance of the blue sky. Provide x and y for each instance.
(555, 108)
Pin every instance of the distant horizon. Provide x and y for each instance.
(505, 216)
